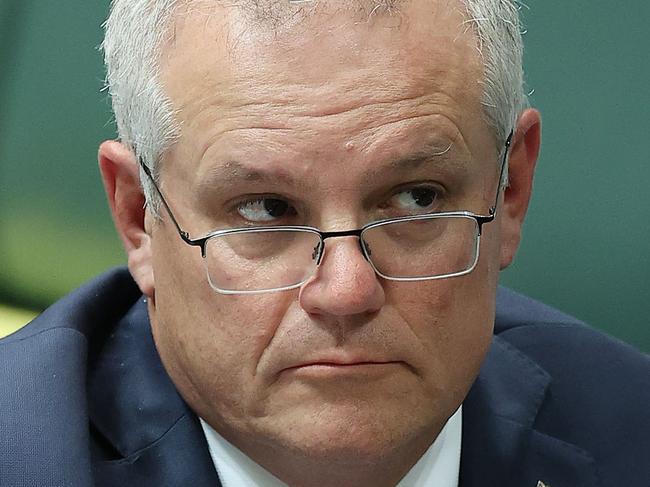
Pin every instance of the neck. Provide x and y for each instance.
(314, 473)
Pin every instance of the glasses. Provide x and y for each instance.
(424, 247)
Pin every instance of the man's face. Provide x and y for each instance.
(324, 115)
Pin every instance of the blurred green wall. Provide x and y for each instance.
(586, 246)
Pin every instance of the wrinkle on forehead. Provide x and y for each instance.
(228, 59)
(223, 74)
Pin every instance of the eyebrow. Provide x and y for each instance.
(434, 154)
(236, 172)
(231, 172)
(430, 153)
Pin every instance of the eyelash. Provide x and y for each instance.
(434, 187)
(241, 203)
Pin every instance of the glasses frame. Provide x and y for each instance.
(481, 220)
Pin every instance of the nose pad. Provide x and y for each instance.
(317, 254)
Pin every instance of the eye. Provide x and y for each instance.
(265, 209)
(419, 199)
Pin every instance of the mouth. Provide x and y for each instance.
(333, 363)
(331, 369)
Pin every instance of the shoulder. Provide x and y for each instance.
(100, 300)
(43, 380)
(61, 337)
(599, 387)
(62, 333)
(567, 348)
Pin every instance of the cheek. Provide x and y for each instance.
(453, 320)
(449, 310)
(210, 344)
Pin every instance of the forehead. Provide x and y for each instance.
(328, 60)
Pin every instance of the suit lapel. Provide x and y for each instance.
(179, 458)
(138, 417)
(500, 446)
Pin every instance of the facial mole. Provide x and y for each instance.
(349, 146)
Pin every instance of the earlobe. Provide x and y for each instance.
(120, 174)
(524, 152)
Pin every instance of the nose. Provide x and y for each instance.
(344, 284)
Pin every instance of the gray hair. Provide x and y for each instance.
(136, 30)
(501, 48)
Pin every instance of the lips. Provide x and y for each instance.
(341, 361)
(333, 363)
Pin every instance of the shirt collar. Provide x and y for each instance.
(438, 466)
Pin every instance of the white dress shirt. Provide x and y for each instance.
(439, 465)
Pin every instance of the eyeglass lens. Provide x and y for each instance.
(280, 259)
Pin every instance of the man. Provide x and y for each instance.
(353, 176)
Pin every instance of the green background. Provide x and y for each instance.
(586, 245)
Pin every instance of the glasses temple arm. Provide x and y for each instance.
(502, 173)
(184, 235)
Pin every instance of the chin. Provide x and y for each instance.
(354, 433)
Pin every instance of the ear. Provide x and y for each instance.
(524, 151)
(121, 176)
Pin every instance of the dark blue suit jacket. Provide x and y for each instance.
(84, 400)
